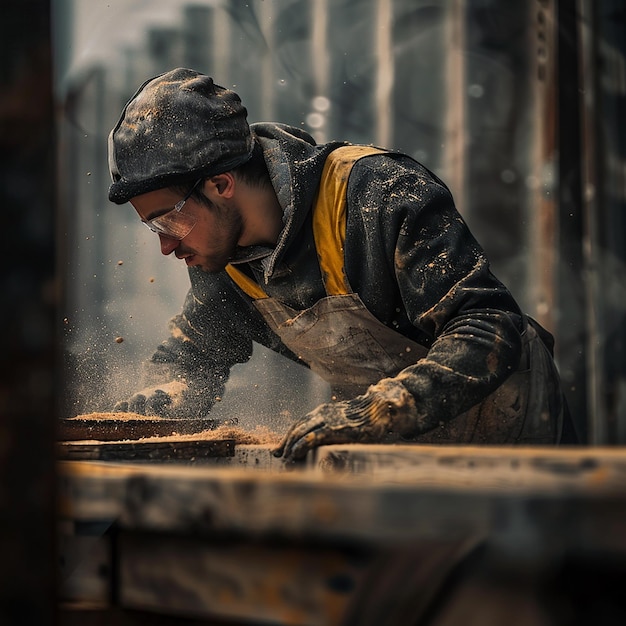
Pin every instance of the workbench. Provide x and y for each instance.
(384, 535)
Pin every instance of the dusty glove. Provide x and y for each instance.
(174, 399)
(386, 409)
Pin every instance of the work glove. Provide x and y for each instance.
(176, 399)
(385, 412)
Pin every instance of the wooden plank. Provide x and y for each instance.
(496, 469)
(240, 580)
(278, 583)
(281, 582)
(117, 429)
(154, 449)
(365, 507)
(251, 457)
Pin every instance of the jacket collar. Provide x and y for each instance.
(295, 163)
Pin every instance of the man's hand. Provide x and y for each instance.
(386, 409)
(173, 399)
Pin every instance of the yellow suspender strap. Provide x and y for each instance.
(329, 216)
(246, 284)
(329, 223)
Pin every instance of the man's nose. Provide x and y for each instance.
(168, 245)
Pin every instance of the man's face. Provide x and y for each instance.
(212, 239)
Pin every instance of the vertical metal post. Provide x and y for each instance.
(319, 46)
(384, 72)
(222, 41)
(590, 206)
(267, 10)
(455, 119)
(541, 287)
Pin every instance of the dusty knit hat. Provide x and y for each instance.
(178, 127)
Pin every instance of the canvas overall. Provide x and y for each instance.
(339, 339)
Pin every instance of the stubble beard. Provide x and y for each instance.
(228, 229)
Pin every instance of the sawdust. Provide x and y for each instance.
(120, 417)
(261, 435)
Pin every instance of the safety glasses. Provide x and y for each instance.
(174, 224)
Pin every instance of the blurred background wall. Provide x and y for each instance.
(514, 105)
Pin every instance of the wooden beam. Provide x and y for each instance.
(382, 494)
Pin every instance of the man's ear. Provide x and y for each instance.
(222, 184)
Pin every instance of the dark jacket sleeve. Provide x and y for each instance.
(405, 234)
(206, 337)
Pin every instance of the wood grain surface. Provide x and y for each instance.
(154, 449)
(116, 429)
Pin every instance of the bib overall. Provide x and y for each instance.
(339, 339)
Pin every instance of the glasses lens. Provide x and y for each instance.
(173, 224)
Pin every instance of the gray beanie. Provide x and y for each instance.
(178, 127)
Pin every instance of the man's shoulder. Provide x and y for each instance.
(392, 169)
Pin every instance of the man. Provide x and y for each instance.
(349, 259)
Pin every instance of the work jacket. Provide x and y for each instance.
(412, 261)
